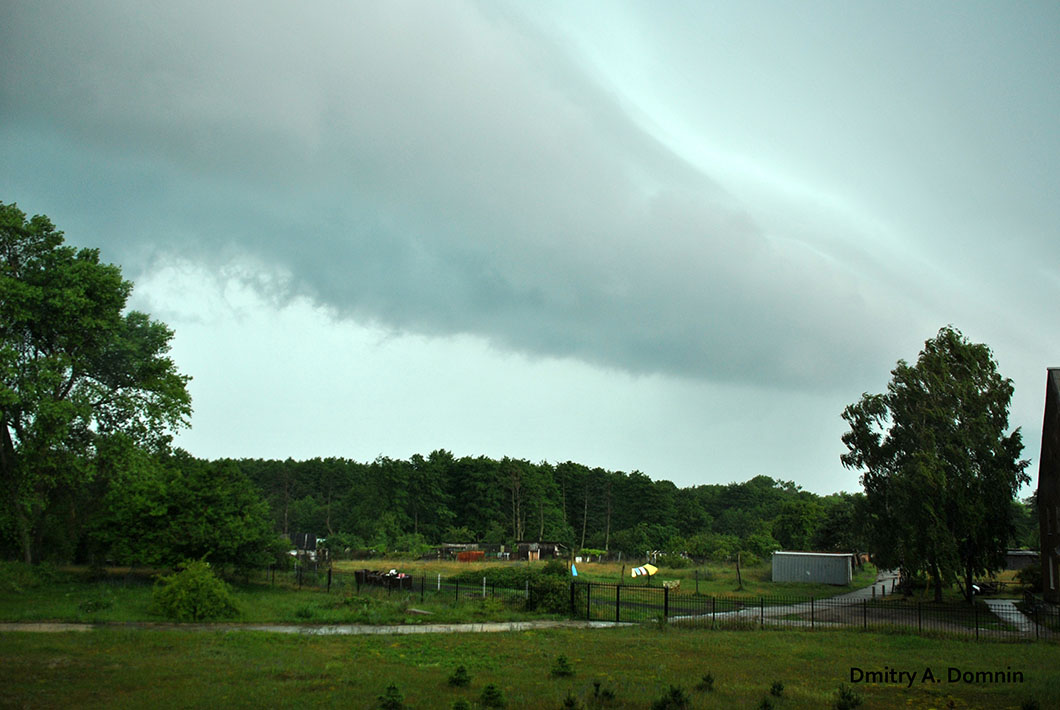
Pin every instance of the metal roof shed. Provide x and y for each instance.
(819, 567)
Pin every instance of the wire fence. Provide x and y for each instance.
(425, 587)
(987, 618)
(1001, 619)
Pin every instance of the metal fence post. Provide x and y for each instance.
(761, 612)
(666, 602)
(457, 590)
(329, 580)
(812, 615)
(713, 610)
(618, 603)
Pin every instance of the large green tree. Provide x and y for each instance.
(940, 468)
(75, 368)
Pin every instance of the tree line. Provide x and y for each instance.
(89, 400)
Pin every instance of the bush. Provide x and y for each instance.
(492, 697)
(570, 702)
(674, 561)
(556, 568)
(707, 684)
(18, 576)
(765, 703)
(460, 678)
(461, 704)
(550, 594)
(1031, 577)
(391, 699)
(846, 699)
(674, 699)
(777, 689)
(562, 668)
(193, 594)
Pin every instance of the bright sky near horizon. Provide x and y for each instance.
(674, 237)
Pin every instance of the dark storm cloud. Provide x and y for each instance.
(433, 167)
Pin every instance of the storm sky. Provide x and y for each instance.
(669, 237)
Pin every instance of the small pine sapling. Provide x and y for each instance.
(562, 668)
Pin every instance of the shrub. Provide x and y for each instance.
(777, 689)
(765, 703)
(556, 568)
(707, 684)
(460, 678)
(1031, 577)
(562, 668)
(570, 702)
(103, 599)
(674, 561)
(391, 699)
(492, 697)
(18, 576)
(461, 704)
(550, 594)
(846, 699)
(194, 594)
(1030, 704)
(674, 699)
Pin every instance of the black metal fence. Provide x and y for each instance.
(986, 619)
(426, 587)
(997, 619)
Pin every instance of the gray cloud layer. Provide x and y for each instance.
(439, 168)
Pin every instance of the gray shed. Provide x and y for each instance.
(820, 567)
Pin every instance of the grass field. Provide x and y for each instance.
(712, 579)
(117, 668)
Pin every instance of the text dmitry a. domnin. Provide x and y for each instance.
(952, 675)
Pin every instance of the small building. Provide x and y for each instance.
(1049, 489)
(818, 567)
(1020, 559)
(538, 550)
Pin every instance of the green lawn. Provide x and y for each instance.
(118, 668)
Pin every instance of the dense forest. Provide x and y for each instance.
(409, 505)
(158, 509)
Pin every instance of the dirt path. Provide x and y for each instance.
(313, 629)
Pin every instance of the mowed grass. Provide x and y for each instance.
(119, 668)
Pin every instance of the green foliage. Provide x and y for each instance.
(847, 698)
(1030, 704)
(674, 699)
(101, 600)
(460, 678)
(194, 594)
(20, 577)
(549, 594)
(777, 689)
(706, 683)
(75, 369)
(461, 704)
(556, 568)
(391, 699)
(1031, 577)
(765, 703)
(493, 697)
(674, 561)
(570, 702)
(940, 470)
(561, 668)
